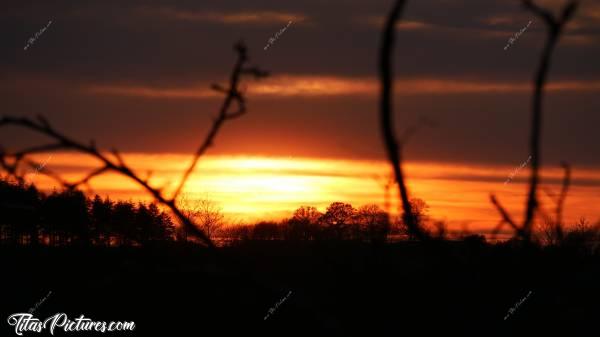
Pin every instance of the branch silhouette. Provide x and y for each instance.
(560, 201)
(392, 146)
(555, 28)
(232, 95)
(115, 162)
(563, 192)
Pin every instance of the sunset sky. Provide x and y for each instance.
(138, 79)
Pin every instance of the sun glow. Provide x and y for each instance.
(251, 188)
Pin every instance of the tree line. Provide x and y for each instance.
(29, 217)
(340, 222)
(68, 217)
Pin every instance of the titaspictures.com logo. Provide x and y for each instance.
(26, 322)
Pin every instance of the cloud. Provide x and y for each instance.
(243, 17)
(149, 92)
(378, 21)
(574, 35)
(502, 20)
(312, 86)
(579, 39)
(493, 27)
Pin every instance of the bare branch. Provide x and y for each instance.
(119, 166)
(117, 155)
(393, 149)
(231, 95)
(545, 14)
(43, 121)
(508, 220)
(554, 30)
(503, 213)
(555, 27)
(46, 171)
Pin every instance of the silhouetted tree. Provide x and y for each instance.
(205, 213)
(19, 205)
(143, 224)
(337, 220)
(161, 227)
(66, 218)
(209, 217)
(374, 223)
(124, 223)
(101, 216)
(303, 225)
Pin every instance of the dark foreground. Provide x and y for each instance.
(344, 289)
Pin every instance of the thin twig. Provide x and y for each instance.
(505, 218)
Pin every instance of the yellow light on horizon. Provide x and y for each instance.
(251, 188)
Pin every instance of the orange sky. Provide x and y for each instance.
(249, 188)
(311, 135)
